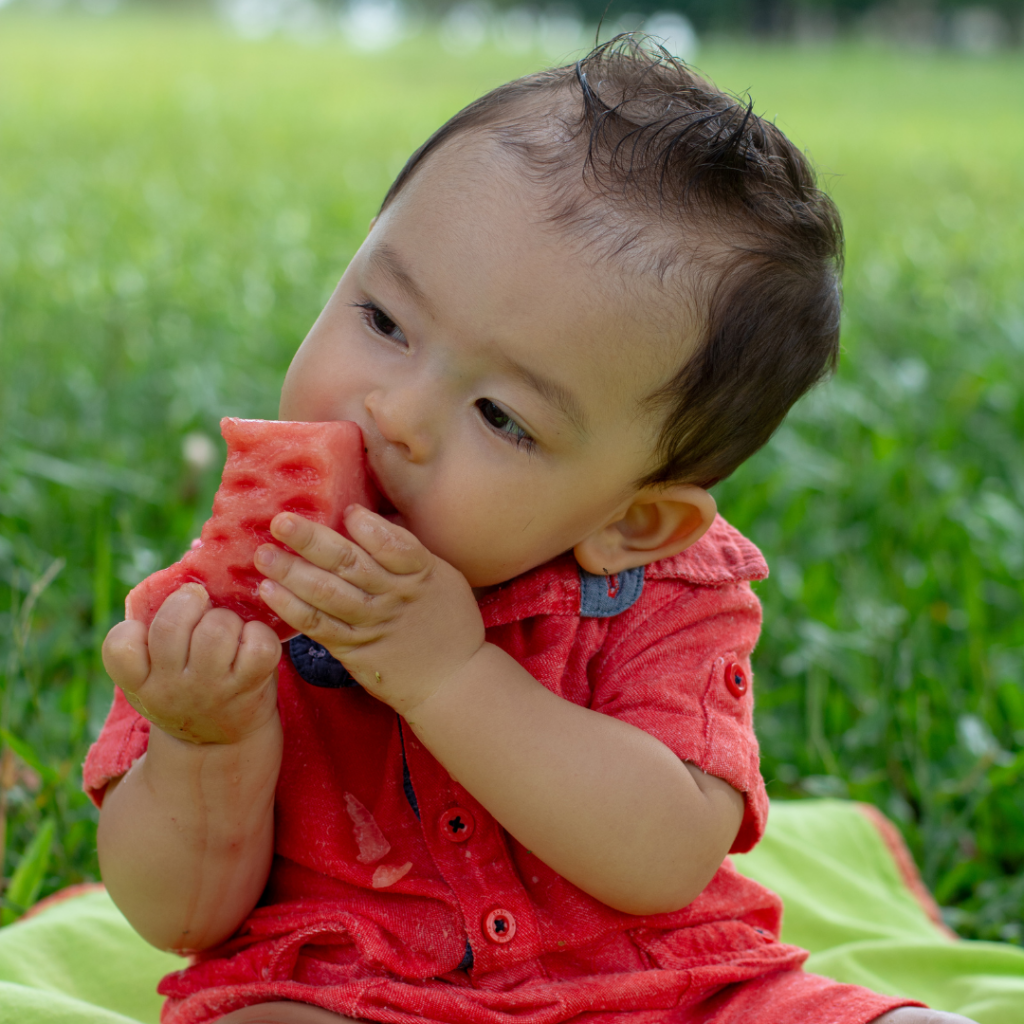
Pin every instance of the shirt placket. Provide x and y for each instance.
(470, 851)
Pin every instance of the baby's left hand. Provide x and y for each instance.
(399, 618)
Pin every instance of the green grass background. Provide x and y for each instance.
(175, 206)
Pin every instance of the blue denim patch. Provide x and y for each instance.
(317, 665)
(604, 596)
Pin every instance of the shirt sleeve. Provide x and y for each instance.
(122, 741)
(677, 665)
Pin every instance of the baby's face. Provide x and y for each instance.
(497, 377)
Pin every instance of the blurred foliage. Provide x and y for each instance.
(177, 204)
(920, 22)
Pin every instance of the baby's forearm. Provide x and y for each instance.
(603, 803)
(186, 836)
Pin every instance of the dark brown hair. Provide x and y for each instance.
(653, 164)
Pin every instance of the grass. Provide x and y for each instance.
(176, 206)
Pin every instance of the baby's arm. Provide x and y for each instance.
(186, 835)
(601, 802)
(606, 805)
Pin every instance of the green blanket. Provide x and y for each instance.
(848, 901)
(849, 895)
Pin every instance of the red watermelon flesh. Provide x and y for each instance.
(314, 469)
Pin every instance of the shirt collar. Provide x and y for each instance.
(723, 555)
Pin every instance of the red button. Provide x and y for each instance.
(456, 824)
(736, 679)
(499, 926)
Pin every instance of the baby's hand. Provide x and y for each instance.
(198, 673)
(399, 618)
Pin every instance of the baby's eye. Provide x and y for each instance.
(380, 321)
(504, 423)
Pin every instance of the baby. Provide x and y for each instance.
(500, 769)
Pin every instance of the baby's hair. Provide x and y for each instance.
(648, 164)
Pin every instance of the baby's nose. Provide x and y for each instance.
(402, 420)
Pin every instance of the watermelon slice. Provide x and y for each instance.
(314, 469)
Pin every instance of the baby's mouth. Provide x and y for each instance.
(392, 515)
(385, 507)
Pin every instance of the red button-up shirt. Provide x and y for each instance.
(395, 896)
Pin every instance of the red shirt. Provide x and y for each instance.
(395, 896)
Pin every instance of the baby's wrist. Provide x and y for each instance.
(437, 704)
(252, 761)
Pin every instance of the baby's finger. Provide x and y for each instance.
(259, 651)
(170, 632)
(214, 644)
(317, 587)
(327, 549)
(307, 619)
(126, 656)
(393, 547)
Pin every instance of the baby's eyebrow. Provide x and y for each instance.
(384, 259)
(555, 392)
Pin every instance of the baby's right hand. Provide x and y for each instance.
(198, 673)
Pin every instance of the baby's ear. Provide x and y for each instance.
(660, 522)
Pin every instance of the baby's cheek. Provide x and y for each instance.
(493, 523)
(468, 542)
